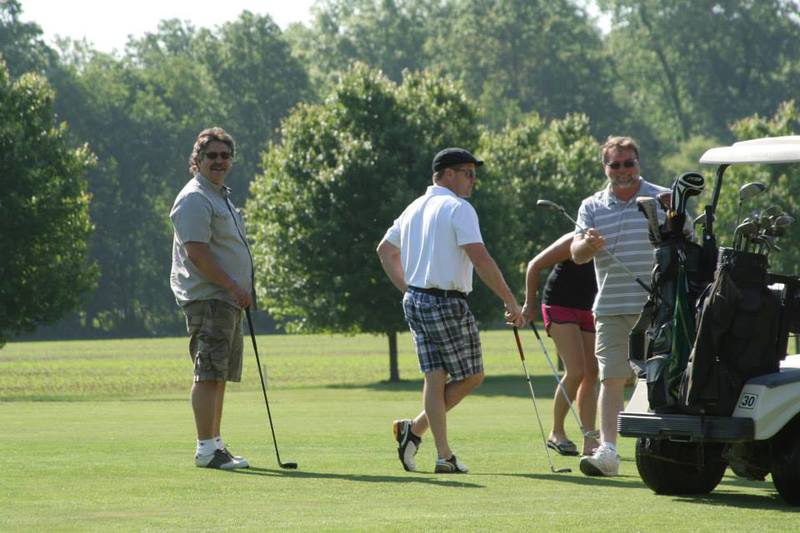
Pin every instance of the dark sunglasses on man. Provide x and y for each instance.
(628, 163)
(222, 155)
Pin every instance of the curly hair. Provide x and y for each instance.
(205, 137)
(616, 142)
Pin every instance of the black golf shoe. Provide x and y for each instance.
(407, 444)
(220, 459)
(450, 466)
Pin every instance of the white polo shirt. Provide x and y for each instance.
(430, 234)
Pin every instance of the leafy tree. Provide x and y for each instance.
(257, 81)
(43, 210)
(21, 43)
(341, 174)
(694, 67)
(389, 35)
(520, 56)
(556, 160)
(783, 189)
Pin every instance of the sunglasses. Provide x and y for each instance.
(470, 172)
(213, 155)
(628, 163)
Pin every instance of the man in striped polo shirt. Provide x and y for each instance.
(614, 224)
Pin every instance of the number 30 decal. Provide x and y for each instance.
(748, 401)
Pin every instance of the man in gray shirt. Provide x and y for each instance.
(614, 224)
(212, 280)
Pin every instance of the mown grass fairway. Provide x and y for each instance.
(98, 436)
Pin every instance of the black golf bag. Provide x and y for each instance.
(661, 339)
(742, 333)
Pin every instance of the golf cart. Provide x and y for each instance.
(725, 404)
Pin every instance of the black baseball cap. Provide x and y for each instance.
(453, 156)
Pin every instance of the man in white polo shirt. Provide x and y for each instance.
(429, 254)
(615, 224)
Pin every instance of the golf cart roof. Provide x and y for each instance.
(766, 150)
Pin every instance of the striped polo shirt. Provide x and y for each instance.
(625, 231)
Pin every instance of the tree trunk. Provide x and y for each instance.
(394, 372)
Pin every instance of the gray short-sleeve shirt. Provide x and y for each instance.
(203, 213)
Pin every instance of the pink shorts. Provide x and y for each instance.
(568, 315)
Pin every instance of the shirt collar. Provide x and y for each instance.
(610, 198)
(438, 189)
(223, 190)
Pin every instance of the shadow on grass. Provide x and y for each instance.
(411, 478)
(577, 478)
(762, 495)
(544, 386)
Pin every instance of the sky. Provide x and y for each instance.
(106, 24)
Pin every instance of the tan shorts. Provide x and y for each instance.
(611, 345)
(215, 344)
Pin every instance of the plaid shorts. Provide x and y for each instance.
(444, 333)
(215, 346)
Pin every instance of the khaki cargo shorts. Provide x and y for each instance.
(215, 344)
(611, 345)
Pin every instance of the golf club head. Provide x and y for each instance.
(561, 470)
(648, 206)
(686, 185)
(549, 205)
(751, 189)
(700, 219)
(289, 466)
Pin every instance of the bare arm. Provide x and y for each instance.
(557, 252)
(200, 255)
(490, 274)
(585, 247)
(390, 261)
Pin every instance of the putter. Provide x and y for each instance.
(649, 208)
(552, 205)
(536, 409)
(588, 434)
(287, 465)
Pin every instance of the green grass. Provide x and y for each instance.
(98, 436)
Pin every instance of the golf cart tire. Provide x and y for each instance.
(674, 468)
(786, 463)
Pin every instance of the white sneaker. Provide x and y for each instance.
(450, 466)
(220, 459)
(604, 462)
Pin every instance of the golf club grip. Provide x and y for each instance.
(519, 344)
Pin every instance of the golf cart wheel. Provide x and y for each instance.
(679, 467)
(786, 463)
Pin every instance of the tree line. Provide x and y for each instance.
(337, 121)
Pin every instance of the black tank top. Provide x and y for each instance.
(571, 285)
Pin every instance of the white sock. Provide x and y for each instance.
(219, 442)
(206, 447)
(610, 446)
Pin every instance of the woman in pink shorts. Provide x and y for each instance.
(567, 300)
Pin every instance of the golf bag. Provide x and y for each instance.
(661, 339)
(742, 333)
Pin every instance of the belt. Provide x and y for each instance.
(439, 292)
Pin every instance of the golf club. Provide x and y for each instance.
(700, 219)
(287, 465)
(592, 434)
(747, 191)
(686, 185)
(649, 208)
(552, 205)
(536, 409)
